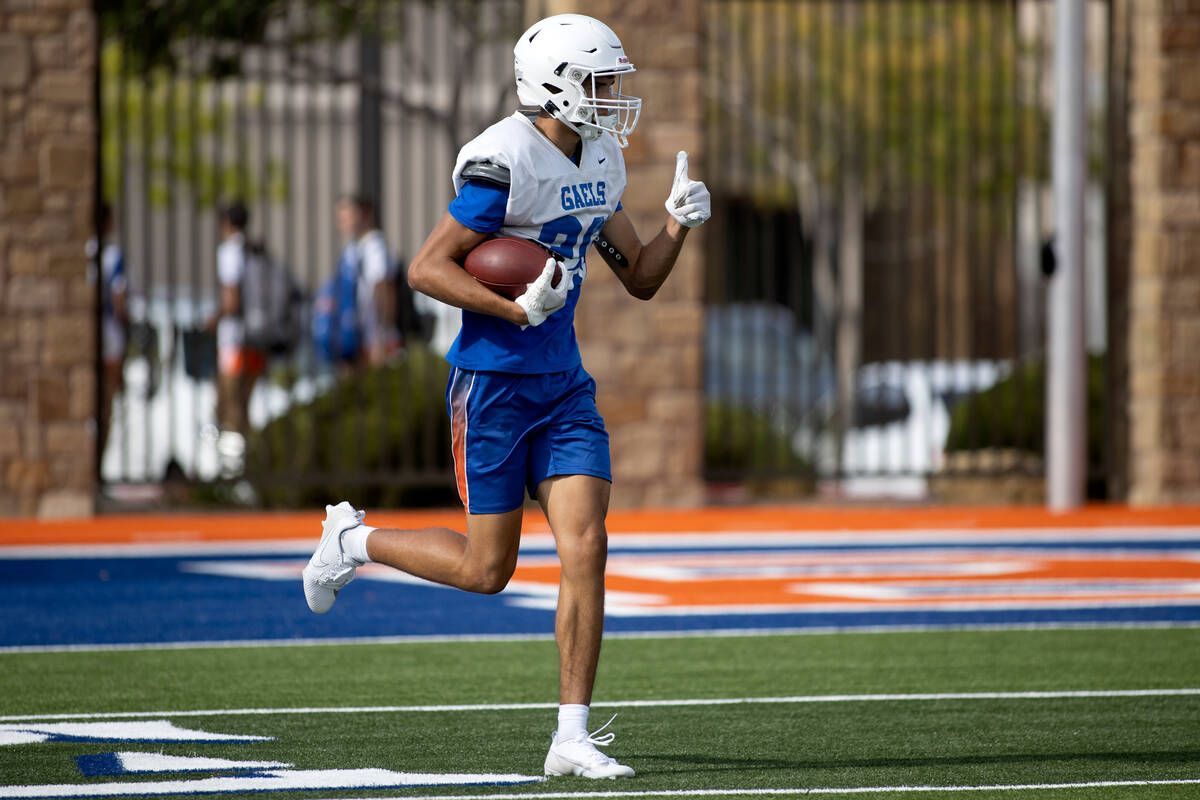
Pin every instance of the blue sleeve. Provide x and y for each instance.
(480, 206)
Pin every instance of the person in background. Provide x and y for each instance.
(238, 365)
(365, 257)
(106, 263)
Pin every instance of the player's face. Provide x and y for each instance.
(604, 87)
(347, 219)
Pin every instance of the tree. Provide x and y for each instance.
(164, 63)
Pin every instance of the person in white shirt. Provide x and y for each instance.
(366, 249)
(238, 365)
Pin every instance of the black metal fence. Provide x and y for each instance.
(286, 108)
(882, 175)
(875, 297)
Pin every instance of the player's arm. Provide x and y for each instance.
(643, 268)
(435, 271)
(230, 267)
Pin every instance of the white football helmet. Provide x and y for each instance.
(557, 62)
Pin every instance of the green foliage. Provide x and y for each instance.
(738, 441)
(349, 443)
(170, 126)
(937, 96)
(152, 30)
(1011, 414)
(157, 33)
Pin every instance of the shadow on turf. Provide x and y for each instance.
(723, 764)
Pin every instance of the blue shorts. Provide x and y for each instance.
(511, 432)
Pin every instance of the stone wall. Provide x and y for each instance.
(646, 356)
(47, 322)
(1157, 256)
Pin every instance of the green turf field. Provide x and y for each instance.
(802, 743)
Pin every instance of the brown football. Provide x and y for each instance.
(508, 264)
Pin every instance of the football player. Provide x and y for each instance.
(523, 409)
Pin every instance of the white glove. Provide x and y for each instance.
(689, 203)
(542, 298)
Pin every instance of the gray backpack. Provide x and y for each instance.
(272, 302)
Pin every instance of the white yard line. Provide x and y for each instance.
(1000, 787)
(217, 785)
(547, 637)
(183, 543)
(719, 701)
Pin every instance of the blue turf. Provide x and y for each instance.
(151, 600)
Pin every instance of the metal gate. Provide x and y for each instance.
(881, 231)
(285, 109)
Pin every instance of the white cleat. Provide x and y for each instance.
(330, 568)
(579, 756)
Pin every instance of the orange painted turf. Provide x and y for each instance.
(239, 526)
(795, 590)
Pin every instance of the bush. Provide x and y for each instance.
(380, 438)
(740, 443)
(1012, 415)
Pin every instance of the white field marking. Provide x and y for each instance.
(1108, 589)
(856, 596)
(720, 633)
(1000, 787)
(133, 762)
(724, 565)
(158, 730)
(269, 781)
(713, 701)
(290, 571)
(791, 564)
(184, 543)
(614, 609)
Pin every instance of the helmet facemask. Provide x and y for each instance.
(594, 114)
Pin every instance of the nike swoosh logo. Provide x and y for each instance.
(601, 160)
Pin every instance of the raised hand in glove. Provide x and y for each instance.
(690, 203)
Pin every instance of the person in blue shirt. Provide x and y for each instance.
(523, 410)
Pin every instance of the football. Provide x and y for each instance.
(508, 264)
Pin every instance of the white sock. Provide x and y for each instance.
(572, 720)
(354, 542)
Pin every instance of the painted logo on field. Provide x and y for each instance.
(656, 582)
(226, 775)
(789, 575)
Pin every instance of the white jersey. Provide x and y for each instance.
(550, 199)
(375, 266)
(231, 269)
(556, 202)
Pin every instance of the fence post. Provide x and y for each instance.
(1066, 381)
(370, 121)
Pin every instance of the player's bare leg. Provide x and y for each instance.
(576, 506)
(481, 561)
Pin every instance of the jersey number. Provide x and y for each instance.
(562, 235)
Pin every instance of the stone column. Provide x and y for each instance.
(47, 319)
(647, 356)
(1159, 264)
